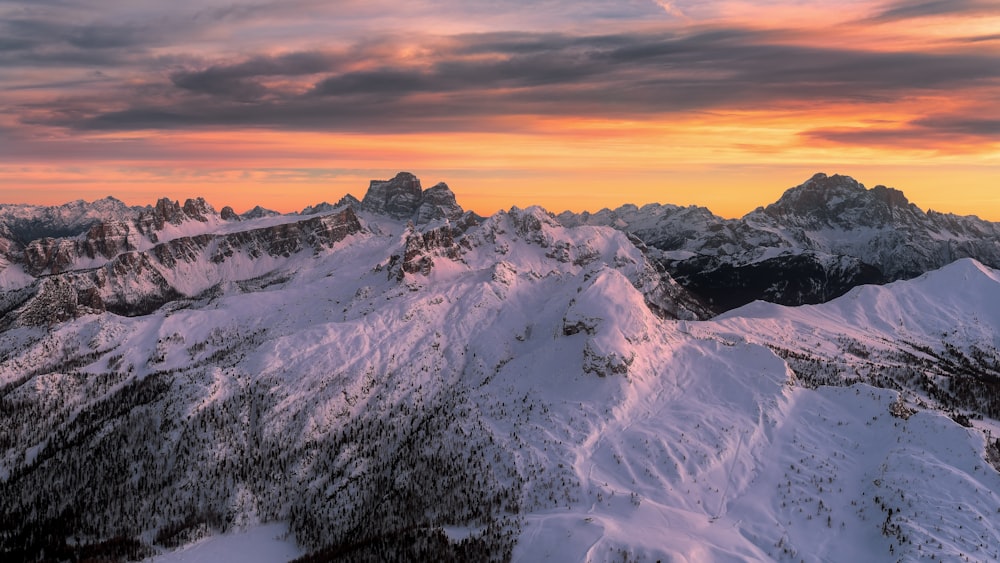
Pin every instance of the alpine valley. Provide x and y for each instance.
(397, 379)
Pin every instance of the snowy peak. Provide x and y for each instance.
(934, 337)
(24, 223)
(403, 198)
(664, 226)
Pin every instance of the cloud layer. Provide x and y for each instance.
(463, 82)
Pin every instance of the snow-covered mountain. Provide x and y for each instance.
(396, 379)
(816, 242)
(24, 223)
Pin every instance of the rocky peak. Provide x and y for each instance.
(323, 207)
(437, 202)
(257, 212)
(403, 198)
(815, 195)
(399, 198)
(198, 209)
(838, 201)
(531, 222)
(229, 214)
(167, 211)
(348, 199)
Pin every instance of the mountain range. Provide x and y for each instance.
(395, 378)
(816, 242)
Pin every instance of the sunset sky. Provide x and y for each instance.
(571, 104)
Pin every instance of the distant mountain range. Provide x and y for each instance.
(816, 242)
(393, 378)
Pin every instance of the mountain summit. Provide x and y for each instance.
(403, 198)
(839, 202)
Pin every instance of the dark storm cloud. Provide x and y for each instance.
(107, 37)
(471, 78)
(517, 70)
(926, 8)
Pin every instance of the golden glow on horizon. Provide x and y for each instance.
(577, 165)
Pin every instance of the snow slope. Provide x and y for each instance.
(936, 337)
(265, 543)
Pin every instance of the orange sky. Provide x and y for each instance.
(570, 105)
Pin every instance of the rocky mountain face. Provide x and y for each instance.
(403, 198)
(394, 379)
(817, 241)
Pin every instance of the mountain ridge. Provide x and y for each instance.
(829, 226)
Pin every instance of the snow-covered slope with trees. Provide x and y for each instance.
(395, 379)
